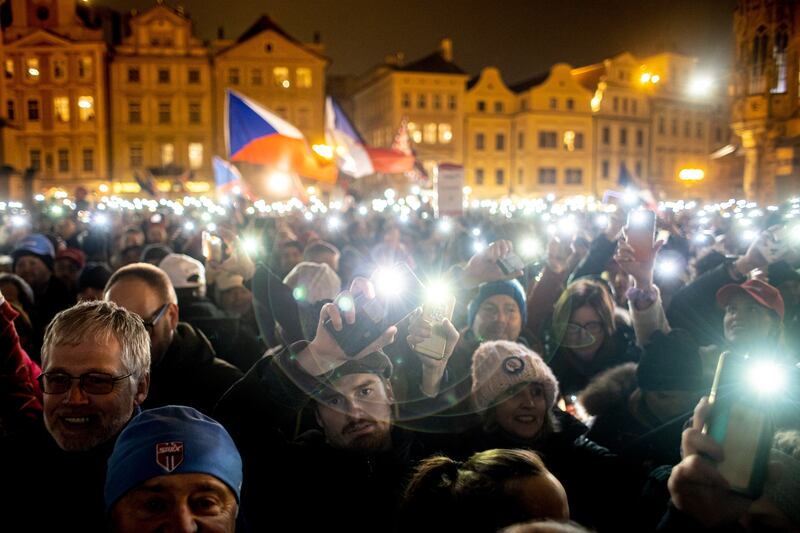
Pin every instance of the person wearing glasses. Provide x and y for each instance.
(185, 369)
(95, 362)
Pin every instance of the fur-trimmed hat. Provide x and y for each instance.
(499, 366)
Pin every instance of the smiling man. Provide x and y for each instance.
(95, 362)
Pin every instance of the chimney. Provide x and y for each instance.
(317, 37)
(220, 32)
(446, 49)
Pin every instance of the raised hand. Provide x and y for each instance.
(482, 267)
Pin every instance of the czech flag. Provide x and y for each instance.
(255, 135)
(350, 149)
(226, 176)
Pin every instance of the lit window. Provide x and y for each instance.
(569, 140)
(85, 67)
(429, 135)
(134, 112)
(445, 133)
(61, 108)
(414, 132)
(195, 155)
(167, 154)
(255, 77)
(63, 160)
(134, 75)
(233, 76)
(280, 77)
(9, 69)
(136, 155)
(59, 69)
(88, 160)
(303, 77)
(86, 108)
(32, 68)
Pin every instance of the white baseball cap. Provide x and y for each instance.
(183, 271)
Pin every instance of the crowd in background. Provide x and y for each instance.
(569, 395)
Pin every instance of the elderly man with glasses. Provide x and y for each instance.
(95, 362)
(185, 368)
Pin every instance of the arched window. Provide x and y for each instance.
(759, 61)
(779, 56)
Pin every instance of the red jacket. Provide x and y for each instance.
(20, 396)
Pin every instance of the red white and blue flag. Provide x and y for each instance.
(256, 135)
(227, 177)
(349, 148)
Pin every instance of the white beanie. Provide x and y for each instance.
(498, 366)
(313, 282)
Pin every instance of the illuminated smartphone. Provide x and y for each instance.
(434, 313)
(511, 263)
(212, 247)
(742, 423)
(641, 232)
(397, 293)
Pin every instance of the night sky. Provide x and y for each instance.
(520, 37)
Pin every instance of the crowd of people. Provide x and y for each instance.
(150, 382)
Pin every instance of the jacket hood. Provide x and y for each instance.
(609, 388)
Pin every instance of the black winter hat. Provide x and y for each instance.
(671, 362)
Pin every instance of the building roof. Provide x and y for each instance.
(589, 76)
(434, 62)
(263, 24)
(473, 81)
(530, 82)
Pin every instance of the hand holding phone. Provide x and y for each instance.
(510, 263)
(431, 331)
(640, 233)
(397, 292)
(212, 247)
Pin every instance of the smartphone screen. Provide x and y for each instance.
(511, 263)
(434, 313)
(212, 247)
(398, 292)
(641, 232)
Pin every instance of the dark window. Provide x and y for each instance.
(134, 112)
(605, 169)
(687, 128)
(451, 102)
(634, 104)
(10, 114)
(520, 176)
(194, 112)
(498, 107)
(499, 142)
(553, 103)
(233, 76)
(478, 176)
(422, 101)
(499, 176)
(480, 141)
(661, 126)
(88, 160)
(623, 136)
(36, 159)
(437, 101)
(33, 110)
(406, 101)
(194, 76)
(481, 106)
(63, 160)
(674, 127)
(547, 139)
(163, 75)
(137, 155)
(133, 75)
(698, 130)
(164, 113)
(639, 138)
(574, 176)
(616, 103)
(638, 169)
(579, 141)
(570, 104)
(606, 133)
(521, 140)
(547, 176)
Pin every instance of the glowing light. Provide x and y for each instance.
(467, 190)
(767, 378)
(630, 197)
(749, 235)
(33, 72)
(18, 221)
(701, 86)
(667, 268)
(100, 219)
(57, 210)
(279, 182)
(308, 216)
(334, 223)
(445, 226)
(655, 78)
(476, 232)
(550, 197)
(188, 226)
(211, 226)
(691, 174)
(250, 245)
(300, 293)
(84, 103)
(285, 84)
(323, 150)
(345, 304)
(362, 210)
(478, 246)
(387, 281)
(601, 221)
(103, 188)
(645, 77)
(530, 247)
(39, 198)
(437, 291)
(389, 194)
(415, 189)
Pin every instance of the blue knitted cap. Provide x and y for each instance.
(171, 440)
(511, 288)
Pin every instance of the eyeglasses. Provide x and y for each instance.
(150, 325)
(581, 335)
(90, 382)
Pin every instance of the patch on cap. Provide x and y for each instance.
(513, 365)
(169, 455)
